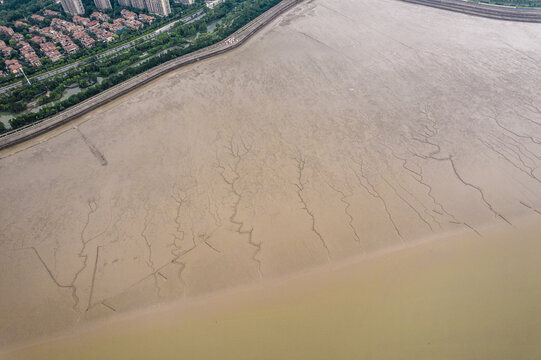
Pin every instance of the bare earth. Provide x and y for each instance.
(344, 128)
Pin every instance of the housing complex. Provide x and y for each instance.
(57, 38)
(156, 7)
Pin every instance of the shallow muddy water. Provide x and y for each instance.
(457, 297)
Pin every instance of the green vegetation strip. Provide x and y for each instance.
(513, 3)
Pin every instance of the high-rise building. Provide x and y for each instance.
(158, 7)
(138, 4)
(103, 4)
(73, 7)
(186, 2)
(124, 2)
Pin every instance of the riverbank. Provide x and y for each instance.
(233, 41)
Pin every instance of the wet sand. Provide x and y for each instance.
(343, 129)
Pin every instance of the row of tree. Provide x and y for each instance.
(521, 3)
(234, 15)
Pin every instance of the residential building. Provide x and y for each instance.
(33, 59)
(20, 24)
(38, 39)
(124, 2)
(158, 7)
(69, 46)
(116, 26)
(14, 66)
(138, 4)
(84, 38)
(51, 13)
(185, 2)
(133, 24)
(37, 17)
(24, 47)
(17, 37)
(5, 49)
(103, 4)
(49, 49)
(127, 14)
(145, 18)
(50, 33)
(103, 34)
(69, 27)
(28, 53)
(81, 20)
(99, 16)
(73, 7)
(6, 30)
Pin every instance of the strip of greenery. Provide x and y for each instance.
(515, 3)
(235, 14)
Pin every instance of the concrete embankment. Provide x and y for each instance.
(235, 40)
(484, 10)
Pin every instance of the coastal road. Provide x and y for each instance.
(186, 20)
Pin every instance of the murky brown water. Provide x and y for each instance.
(343, 129)
(459, 297)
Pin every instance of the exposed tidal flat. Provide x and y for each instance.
(343, 129)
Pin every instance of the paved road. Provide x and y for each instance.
(490, 11)
(186, 20)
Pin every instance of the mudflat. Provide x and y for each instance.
(344, 128)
